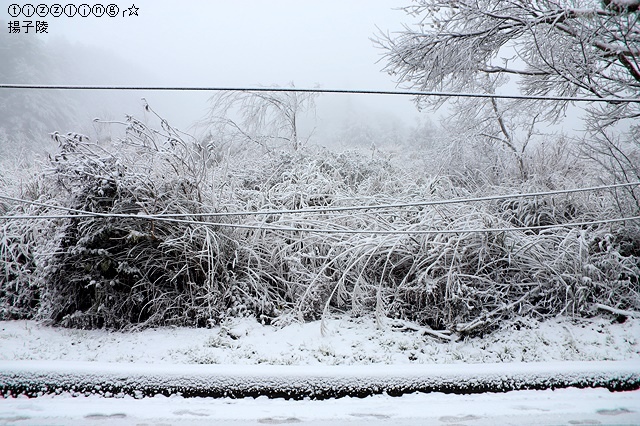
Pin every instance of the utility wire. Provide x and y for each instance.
(339, 231)
(612, 100)
(324, 209)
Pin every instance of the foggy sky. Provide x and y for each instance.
(246, 43)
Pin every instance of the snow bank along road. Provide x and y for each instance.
(36, 378)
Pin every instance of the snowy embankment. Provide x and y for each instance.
(345, 341)
(318, 382)
(352, 357)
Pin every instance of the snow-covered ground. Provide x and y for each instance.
(559, 407)
(343, 347)
(345, 341)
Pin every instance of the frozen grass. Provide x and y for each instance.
(124, 271)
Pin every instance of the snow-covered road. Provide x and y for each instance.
(559, 407)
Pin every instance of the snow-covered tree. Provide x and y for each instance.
(263, 117)
(554, 47)
(567, 48)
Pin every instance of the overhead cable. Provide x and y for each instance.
(611, 100)
(325, 209)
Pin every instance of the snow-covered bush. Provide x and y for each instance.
(20, 240)
(18, 291)
(276, 237)
(118, 269)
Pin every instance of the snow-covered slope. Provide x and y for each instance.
(346, 341)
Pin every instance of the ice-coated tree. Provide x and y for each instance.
(568, 48)
(554, 47)
(263, 117)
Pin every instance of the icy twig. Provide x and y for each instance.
(400, 325)
(618, 311)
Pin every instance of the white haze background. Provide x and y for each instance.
(241, 43)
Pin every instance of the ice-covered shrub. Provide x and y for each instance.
(19, 294)
(21, 241)
(119, 269)
(286, 237)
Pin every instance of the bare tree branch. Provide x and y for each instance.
(562, 46)
(260, 116)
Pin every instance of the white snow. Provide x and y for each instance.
(559, 407)
(222, 380)
(346, 342)
(351, 353)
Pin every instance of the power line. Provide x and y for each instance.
(319, 90)
(325, 209)
(176, 218)
(337, 231)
